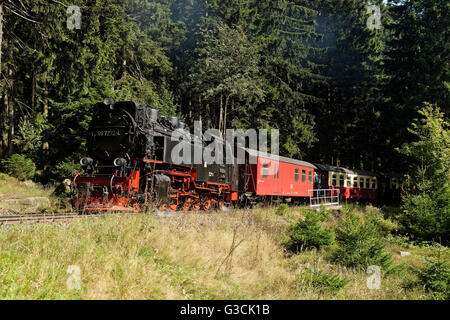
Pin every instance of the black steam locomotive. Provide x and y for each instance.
(132, 163)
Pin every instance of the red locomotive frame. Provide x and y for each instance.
(116, 193)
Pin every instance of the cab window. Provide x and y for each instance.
(333, 180)
(341, 180)
(310, 179)
(374, 183)
(349, 181)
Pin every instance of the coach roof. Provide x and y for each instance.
(344, 170)
(261, 154)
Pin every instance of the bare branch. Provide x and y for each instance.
(23, 17)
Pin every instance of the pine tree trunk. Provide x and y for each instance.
(224, 125)
(208, 116)
(11, 116)
(4, 105)
(1, 33)
(33, 90)
(4, 133)
(45, 144)
(220, 113)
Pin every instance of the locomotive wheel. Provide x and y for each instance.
(161, 209)
(187, 204)
(220, 204)
(196, 205)
(206, 204)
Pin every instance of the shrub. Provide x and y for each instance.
(282, 209)
(20, 167)
(323, 281)
(434, 278)
(384, 226)
(359, 244)
(66, 169)
(426, 218)
(310, 233)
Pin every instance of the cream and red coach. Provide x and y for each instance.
(352, 184)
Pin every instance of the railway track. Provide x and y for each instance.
(50, 217)
(35, 218)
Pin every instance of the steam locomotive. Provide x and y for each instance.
(131, 166)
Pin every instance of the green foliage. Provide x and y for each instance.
(359, 243)
(30, 134)
(426, 203)
(311, 69)
(20, 167)
(66, 169)
(310, 233)
(419, 37)
(323, 281)
(347, 104)
(434, 277)
(282, 209)
(384, 225)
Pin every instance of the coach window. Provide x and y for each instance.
(367, 183)
(334, 180)
(361, 183)
(310, 177)
(303, 176)
(278, 171)
(374, 183)
(355, 182)
(349, 182)
(341, 180)
(297, 174)
(265, 172)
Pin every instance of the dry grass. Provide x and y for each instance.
(12, 188)
(236, 255)
(21, 197)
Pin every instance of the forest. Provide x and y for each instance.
(340, 92)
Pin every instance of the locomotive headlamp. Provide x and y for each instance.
(86, 162)
(108, 101)
(119, 162)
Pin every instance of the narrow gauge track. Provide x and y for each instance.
(61, 217)
(35, 218)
